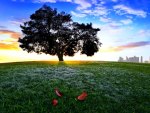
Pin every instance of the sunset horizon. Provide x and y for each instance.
(124, 27)
(75, 56)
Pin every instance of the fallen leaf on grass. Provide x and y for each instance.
(54, 102)
(82, 96)
(58, 93)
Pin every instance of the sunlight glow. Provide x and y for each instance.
(124, 27)
(4, 36)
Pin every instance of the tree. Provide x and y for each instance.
(54, 33)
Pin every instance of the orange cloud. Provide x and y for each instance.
(9, 41)
(126, 46)
(12, 34)
(12, 46)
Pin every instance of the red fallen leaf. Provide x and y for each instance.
(58, 93)
(82, 96)
(54, 102)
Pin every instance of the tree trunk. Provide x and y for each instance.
(60, 57)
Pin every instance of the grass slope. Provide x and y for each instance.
(28, 87)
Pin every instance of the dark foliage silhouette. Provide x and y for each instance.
(54, 33)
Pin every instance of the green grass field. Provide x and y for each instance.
(112, 87)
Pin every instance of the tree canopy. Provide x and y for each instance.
(51, 32)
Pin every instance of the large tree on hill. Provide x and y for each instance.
(54, 33)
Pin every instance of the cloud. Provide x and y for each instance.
(122, 9)
(83, 4)
(111, 29)
(12, 46)
(144, 33)
(114, 25)
(12, 34)
(66, 0)
(44, 1)
(97, 11)
(101, 2)
(126, 46)
(15, 22)
(114, 0)
(105, 19)
(9, 40)
(94, 1)
(2, 27)
(18, 0)
(126, 21)
(51, 1)
(18, 21)
(78, 14)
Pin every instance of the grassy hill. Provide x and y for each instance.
(28, 87)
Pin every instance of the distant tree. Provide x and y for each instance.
(55, 33)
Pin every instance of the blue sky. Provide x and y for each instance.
(124, 24)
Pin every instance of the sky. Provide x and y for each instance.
(124, 24)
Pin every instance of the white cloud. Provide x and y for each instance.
(94, 1)
(104, 19)
(15, 22)
(78, 14)
(126, 21)
(51, 1)
(114, 0)
(127, 10)
(144, 33)
(18, 22)
(83, 4)
(18, 0)
(66, 0)
(97, 2)
(43, 1)
(97, 11)
(101, 2)
(110, 29)
(115, 25)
